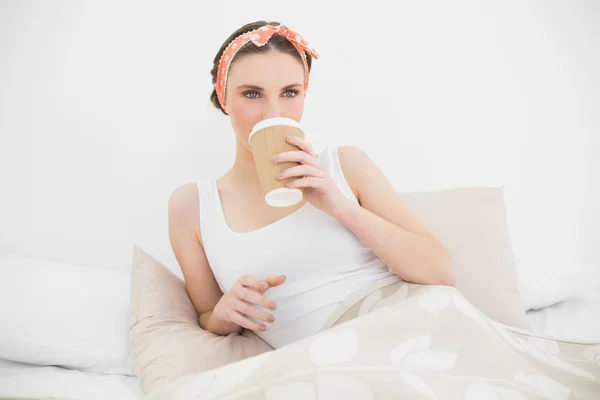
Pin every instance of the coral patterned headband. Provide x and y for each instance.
(260, 37)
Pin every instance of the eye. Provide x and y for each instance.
(290, 93)
(251, 95)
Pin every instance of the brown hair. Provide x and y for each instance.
(278, 43)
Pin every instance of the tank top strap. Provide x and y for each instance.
(330, 159)
(209, 207)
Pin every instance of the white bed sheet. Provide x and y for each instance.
(575, 319)
(19, 380)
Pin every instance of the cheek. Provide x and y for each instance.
(242, 112)
(294, 109)
(243, 118)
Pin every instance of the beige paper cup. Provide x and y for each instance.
(268, 139)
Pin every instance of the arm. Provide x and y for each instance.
(184, 235)
(386, 225)
(219, 313)
(381, 221)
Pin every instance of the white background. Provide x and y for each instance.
(104, 111)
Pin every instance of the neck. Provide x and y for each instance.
(243, 173)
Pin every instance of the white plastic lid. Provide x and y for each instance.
(283, 197)
(272, 122)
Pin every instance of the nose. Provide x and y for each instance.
(272, 109)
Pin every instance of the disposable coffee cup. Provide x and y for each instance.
(268, 139)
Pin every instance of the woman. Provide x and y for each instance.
(350, 231)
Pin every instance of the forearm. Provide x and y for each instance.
(212, 323)
(413, 257)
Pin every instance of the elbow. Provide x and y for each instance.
(446, 275)
(441, 270)
(447, 278)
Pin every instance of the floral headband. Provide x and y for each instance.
(260, 37)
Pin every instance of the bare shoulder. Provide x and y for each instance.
(184, 196)
(183, 207)
(352, 161)
(349, 155)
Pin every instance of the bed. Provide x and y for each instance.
(573, 319)
(84, 328)
(577, 318)
(24, 381)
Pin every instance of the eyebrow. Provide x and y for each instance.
(258, 88)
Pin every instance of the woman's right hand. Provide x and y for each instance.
(242, 299)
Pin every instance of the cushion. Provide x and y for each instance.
(73, 316)
(165, 338)
(472, 224)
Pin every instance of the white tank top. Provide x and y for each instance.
(324, 262)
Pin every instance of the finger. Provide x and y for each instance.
(252, 297)
(301, 144)
(297, 156)
(276, 280)
(301, 170)
(244, 322)
(254, 283)
(251, 310)
(308, 182)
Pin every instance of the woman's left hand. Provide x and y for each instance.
(312, 178)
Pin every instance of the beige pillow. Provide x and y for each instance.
(165, 339)
(471, 222)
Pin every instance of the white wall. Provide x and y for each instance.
(104, 111)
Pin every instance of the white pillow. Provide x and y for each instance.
(67, 315)
(541, 289)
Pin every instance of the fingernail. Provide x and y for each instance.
(276, 158)
(263, 328)
(271, 319)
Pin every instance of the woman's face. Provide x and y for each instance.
(261, 86)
